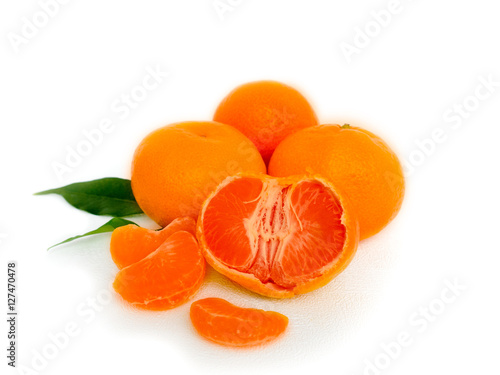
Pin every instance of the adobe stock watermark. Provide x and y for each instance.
(120, 108)
(31, 26)
(58, 341)
(364, 35)
(418, 323)
(279, 120)
(222, 7)
(453, 117)
(245, 328)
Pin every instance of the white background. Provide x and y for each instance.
(427, 59)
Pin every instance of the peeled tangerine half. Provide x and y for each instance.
(226, 324)
(167, 277)
(277, 236)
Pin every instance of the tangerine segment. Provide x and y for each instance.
(277, 236)
(130, 243)
(165, 278)
(224, 323)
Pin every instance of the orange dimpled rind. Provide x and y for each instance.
(354, 160)
(176, 167)
(266, 112)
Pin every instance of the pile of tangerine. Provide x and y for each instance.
(266, 195)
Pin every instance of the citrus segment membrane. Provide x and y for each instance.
(224, 323)
(165, 278)
(284, 232)
(130, 243)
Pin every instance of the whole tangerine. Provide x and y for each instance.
(266, 112)
(176, 167)
(356, 161)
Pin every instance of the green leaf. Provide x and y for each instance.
(106, 196)
(106, 228)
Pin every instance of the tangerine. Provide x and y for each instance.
(176, 167)
(266, 112)
(277, 236)
(353, 159)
